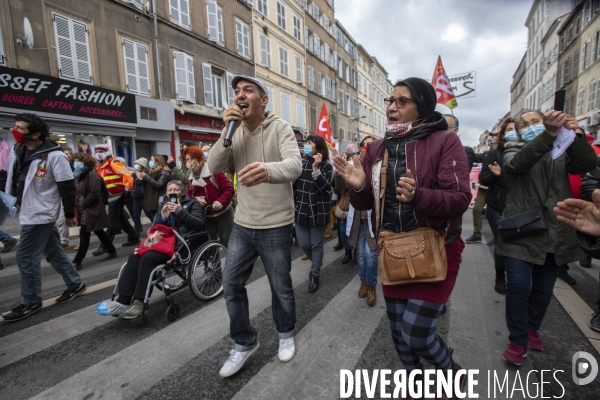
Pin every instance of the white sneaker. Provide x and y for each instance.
(287, 349)
(236, 361)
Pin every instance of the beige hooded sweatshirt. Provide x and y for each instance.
(270, 204)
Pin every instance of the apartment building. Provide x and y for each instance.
(163, 64)
(281, 59)
(345, 61)
(517, 88)
(549, 64)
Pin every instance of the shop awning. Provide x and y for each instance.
(8, 122)
(191, 128)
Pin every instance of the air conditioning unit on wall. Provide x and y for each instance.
(594, 119)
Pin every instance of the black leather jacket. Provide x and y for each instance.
(189, 220)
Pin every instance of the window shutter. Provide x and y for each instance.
(341, 101)
(319, 83)
(184, 13)
(246, 34)
(213, 28)
(2, 55)
(333, 91)
(268, 47)
(311, 78)
(208, 85)
(190, 76)
(130, 66)
(230, 91)
(180, 76)
(240, 37)
(299, 70)
(62, 29)
(220, 25)
(263, 50)
(82, 51)
(142, 64)
(269, 106)
(174, 11)
(138, 3)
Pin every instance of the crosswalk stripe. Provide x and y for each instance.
(332, 340)
(127, 373)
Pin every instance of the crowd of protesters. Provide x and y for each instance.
(427, 184)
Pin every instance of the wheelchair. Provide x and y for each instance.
(197, 263)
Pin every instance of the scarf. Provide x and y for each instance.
(198, 180)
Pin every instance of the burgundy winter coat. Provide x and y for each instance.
(439, 163)
(223, 193)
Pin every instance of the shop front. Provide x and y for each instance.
(195, 129)
(82, 116)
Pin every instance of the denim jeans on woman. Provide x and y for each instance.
(343, 235)
(529, 290)
(367, 259)
(274, 247)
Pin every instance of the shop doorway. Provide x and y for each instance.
(142, 149)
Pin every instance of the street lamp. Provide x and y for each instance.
(358, 118)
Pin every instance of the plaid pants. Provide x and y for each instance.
(413, 324)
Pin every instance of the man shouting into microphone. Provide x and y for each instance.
(267, 160)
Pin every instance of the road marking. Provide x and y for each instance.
(578, 309)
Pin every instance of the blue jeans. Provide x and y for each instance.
(343, 236)
(311, 242)
(274, 247)
(529, 290)
(5, 237)
(367, 259)
(493, 216)
(138, 205)
(38, 240)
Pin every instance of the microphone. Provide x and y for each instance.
(231, 128)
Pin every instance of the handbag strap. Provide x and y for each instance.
(383, 183)
(548, 185)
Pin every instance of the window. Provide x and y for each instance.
(262, 7)
(269, 106)
(283, 61)
(580, 97)
(300, 113)
(297, 28)
(299, 70)
(597, 104)
(596, 50)
(286, 107)
(136, 67)
(341, 101)
(180, 12)
(308, 37)
(575, 64)
(335, 60)
(265, 50)
(327, 54)
(184, 77)
(243, 41)
(316, 44)
(311, 78)
(592, 96)
(137, 3)
(348, 104)
(215, 22)
(313, 117)
(319, 83)
(585, 55)
(281, 15)
(148, 113)
(341, 133)
(72, 47)
(219, 89)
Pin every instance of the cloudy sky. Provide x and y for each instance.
(486, 36)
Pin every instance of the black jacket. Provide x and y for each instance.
(65, 188)
(313, 195)
(496, 193)
(589, 183)
(189, 220)
(139, 188)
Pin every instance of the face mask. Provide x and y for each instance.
(19, 137)
(206, 155)
(151, 164)
(532, 132)
(511, 136)
(308, 150)
(136, 167)
(100, 156)
(397, 130)
(490, 142)
(78, 165)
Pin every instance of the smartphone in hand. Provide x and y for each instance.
(559, 100)
(173, 198)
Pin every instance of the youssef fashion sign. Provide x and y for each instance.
(35, 92)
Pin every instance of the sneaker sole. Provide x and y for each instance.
(595, 328)
(512, 362)
(26, 316)
(72, 297)
(535, 348)
(235, 371)
(287, 359)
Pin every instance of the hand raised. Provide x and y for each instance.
(554, 120)
(495, 168)
(353, 174)
(580, 214)
(318, 157)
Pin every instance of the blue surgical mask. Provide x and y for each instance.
(152, 164)
(532, 132)
(308, 150)
(136, 167)
(78, 165)
(511, 136)
(490, 142)
(206, 155)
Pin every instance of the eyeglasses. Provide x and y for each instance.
(400, 101)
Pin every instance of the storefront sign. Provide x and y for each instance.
(201, 137)
(463, 85)
(198, 122)
(42, 93)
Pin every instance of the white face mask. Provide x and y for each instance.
(136, 167)
(100, 156)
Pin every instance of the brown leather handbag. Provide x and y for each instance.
(418, 256)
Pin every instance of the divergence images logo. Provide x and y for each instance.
(582, 364)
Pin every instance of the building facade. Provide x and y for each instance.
(167, 61)
(281, 59)
(549, 64)
(345, 61)
(517, 89)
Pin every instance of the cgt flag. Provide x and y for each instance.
(324, 129)
(443, 88)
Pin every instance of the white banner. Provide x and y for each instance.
(463, 85)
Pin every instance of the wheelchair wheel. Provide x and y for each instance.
(173, 312)
(206, 271)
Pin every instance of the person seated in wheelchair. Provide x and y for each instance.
(179, 211)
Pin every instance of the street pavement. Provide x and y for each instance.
(68, 351)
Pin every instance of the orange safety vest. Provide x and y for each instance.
(113, 181)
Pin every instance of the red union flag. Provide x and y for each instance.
(443, 88)
(324, 128)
